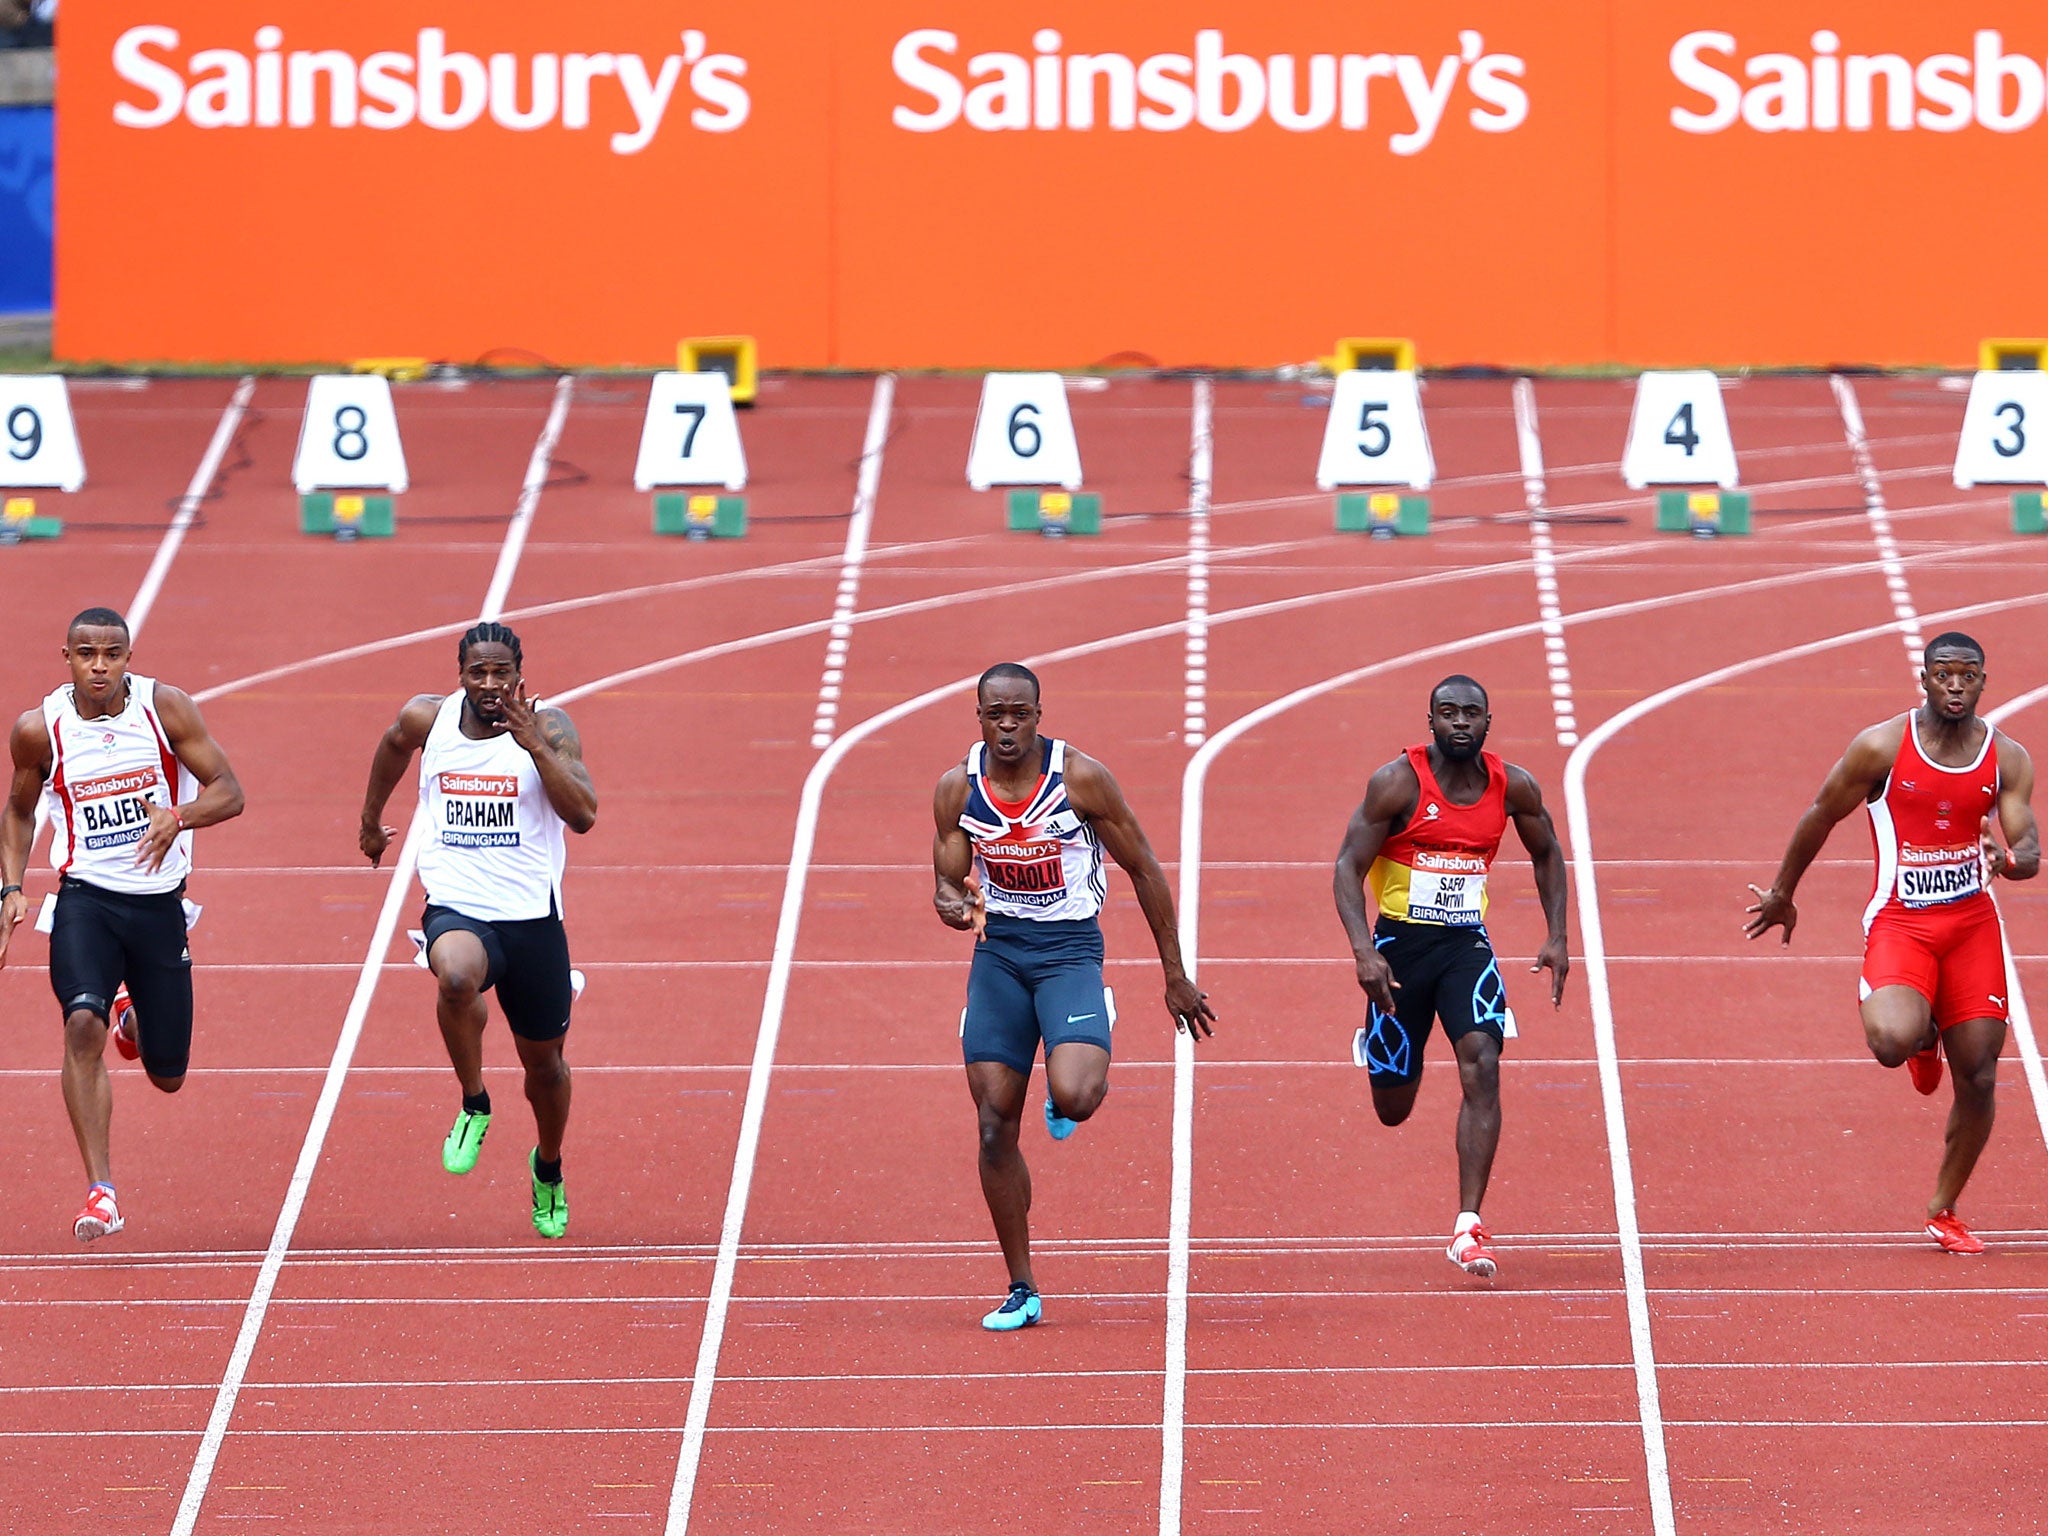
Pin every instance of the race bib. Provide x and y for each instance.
(1448, 888)
(1928, 877)
(479, 810)
(113, 810)
(1030, 873)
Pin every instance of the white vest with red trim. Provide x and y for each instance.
(495, 846)
(1038, 860)
(105, 774)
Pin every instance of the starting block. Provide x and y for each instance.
(2029, 512)
(1395, 353)
(347, 515)
(1054, 513)
(2004, 354)
(1704, 514)
(1382, 514)
(18, 521)
(700, 514)
(735, 357)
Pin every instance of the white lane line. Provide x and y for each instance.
(189, 505)
(1880, 517)
(1556, 658)
(1201, 476)
(373, 967)
(848, 598)
(2022, 1016)
(1593, 939)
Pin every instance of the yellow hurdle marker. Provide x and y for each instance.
(734, 356)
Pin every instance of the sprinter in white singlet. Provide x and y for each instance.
(501, 776)
(1022, 827)
(127, 769)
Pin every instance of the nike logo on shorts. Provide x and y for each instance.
(1076, 1018)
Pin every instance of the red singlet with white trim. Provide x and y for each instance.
(1926, 828)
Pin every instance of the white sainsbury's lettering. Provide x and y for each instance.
(1223, 92)
(1942, 93)
(436, 88)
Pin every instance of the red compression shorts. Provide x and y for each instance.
(1954, 956)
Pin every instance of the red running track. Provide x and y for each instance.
(427, 1363)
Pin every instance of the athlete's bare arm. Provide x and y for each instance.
(1390, 796)
(1532, 822)
(220, 792)
(1850, 783)
(956, 896)
(2020, 858)
(557, 751)
(1094, 792)
(29, 744)
(395, 748)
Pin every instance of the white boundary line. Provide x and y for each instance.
(189, 505)
(1593, 940)
(1201, 487)
(1556, 656)
(2022, 1016)
(395, 893)
(1880, 517)
(848, 598)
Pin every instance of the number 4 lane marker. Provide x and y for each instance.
(1678, 432)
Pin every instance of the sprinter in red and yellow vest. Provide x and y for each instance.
(1424, 841)
(1934, 968)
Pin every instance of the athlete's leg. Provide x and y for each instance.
(1897, 1021)
(88, 1097)
(999, 1092)
(1076, 1076)
(1972, 1048)
(1479, 1115)
(547, 1090)
(1393, 1102)
(461, 966)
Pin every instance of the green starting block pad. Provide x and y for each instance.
(2029, 512)
(18, 521)
(1054, 513)
(346, 515)
(700, 514)
(1382, 514)
(1705, 514)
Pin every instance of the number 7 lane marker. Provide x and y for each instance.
(352, 1023)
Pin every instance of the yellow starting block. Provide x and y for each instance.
(1053, 513)
(2003, 354)
(700, 514)
(18, 521)
(400, 370)
(348, 515)
(1382, 514)
(1704, 514)
(734, 356)
(1373, 352)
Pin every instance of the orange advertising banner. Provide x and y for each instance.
(1548, 183)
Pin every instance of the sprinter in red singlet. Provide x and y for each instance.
(1424, 840)
(1934, 975)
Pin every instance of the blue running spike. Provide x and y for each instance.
(1057, 1125)
(1020, 1309)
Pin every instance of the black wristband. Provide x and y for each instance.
(8, 890)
